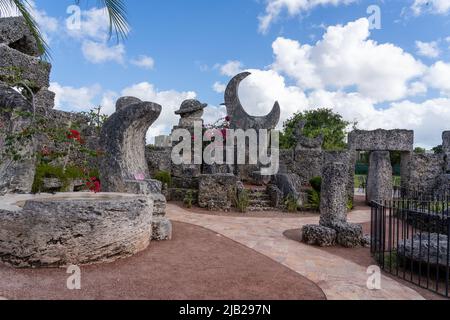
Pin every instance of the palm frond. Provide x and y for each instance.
(118, 21)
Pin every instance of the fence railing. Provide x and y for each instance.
(410, 239)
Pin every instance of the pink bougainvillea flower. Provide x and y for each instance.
(139, 177)
(45, 151)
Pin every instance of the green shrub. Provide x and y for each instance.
(242, 201)
(316, 184)
(165, 178)
(189, 199)
(47, 171)
(350, 205)
(291, 203)
(313, 200)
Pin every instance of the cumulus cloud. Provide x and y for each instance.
(100, 52)
(438, 77)
(371, 83)
(428, 49)
(93, 24)
(74, 99)
(231, 68)
(432, 6)
(294, 7)
(345, 58)
(170, 100)
(219, 87)
(144, 62)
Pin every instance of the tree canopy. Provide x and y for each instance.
(321, 121)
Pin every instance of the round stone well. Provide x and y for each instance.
(73, 228)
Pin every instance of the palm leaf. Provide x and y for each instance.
(118, 22)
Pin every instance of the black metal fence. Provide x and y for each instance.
(410, 239)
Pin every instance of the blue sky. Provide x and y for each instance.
(393, 77)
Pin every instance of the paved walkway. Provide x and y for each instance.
(337, 277)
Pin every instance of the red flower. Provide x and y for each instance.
(94, 185)
(227, 118)
(74, 135)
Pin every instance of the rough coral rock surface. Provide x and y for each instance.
(217, 191)
(16, 174)
(15, 33)
(319, 235)
(379, 180)
(382, 140)
(75, 229)
(333, 204)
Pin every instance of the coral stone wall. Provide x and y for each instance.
(423, 172)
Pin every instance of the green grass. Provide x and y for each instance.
(396, 180)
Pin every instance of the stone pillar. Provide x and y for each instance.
(123, 168)
(333, 205)
(405, 170)
(379, 181)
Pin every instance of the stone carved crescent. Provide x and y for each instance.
(240, 119)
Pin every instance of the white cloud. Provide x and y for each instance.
(85, 98)
(262, 89)
(433, 6)
(438, 77)
(231, 68)
(98, 52)
(428, 49)
(93, 32)
(170, 100)
(47, 24)
(94, 25)
(294, 7)
(219, 87)
(74, 99)
(347, 58)
(144, 62)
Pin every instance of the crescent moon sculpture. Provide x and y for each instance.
(240, 119)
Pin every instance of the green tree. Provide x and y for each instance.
(114, 8)
(321, 121)
(438, 149)
(420, 150)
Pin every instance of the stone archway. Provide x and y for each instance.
(380, 143)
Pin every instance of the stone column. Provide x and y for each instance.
(379, 181)
(333, 205)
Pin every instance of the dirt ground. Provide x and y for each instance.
(197, 264)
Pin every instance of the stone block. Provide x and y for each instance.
(349, 235)
(217, 192)
(162, 229)
(15, 33)
(381, 140)
(74, 229)
(319, 235)
(36, 71)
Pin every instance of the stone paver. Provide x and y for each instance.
(337, 277)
